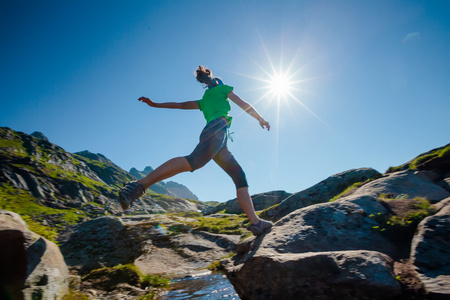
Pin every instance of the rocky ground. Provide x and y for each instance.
(358, 234)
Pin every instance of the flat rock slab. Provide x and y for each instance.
(189, 252)
(156, 244)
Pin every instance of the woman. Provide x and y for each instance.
(213, 145)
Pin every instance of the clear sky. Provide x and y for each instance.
(369, 82)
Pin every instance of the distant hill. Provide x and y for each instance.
(141, 174)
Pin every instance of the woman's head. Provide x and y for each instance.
(205, 76)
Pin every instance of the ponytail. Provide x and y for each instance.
(205, 76)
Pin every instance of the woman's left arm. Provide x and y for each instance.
(249, 109)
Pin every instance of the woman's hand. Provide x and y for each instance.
(148, 101)
(264, 124)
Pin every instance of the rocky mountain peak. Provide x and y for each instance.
(39, 135)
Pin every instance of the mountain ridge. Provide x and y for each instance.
(56, 188)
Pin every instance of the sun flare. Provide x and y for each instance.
(280, 85)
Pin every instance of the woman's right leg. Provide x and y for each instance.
(211, 141)
(168, 169)
(135, 189)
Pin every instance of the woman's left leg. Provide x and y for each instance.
(228, 163)
(246, 203)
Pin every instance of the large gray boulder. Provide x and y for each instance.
(404, 183)
(101, 242)
(31, 266)
(315, 275)
(430, 253)
(323, 251)
(321, 192)
(336, 226)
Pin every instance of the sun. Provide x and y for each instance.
(280, 85)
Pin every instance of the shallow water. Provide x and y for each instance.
(209, 287)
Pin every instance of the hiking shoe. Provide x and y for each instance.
(130, 192)
(260, 227)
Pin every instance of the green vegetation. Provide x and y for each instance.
(393, 169)
(33, 213)
(58, 173)
(150, 296)
(189, 214)
(227, 224)
(160, 197)
(89, 161)
(73, 295)
(264, 213)
(217, 265)
(349, 189)
(388, 196)
(233, 224)
(12, 147)
(145, 280)
(421, 159)
(44, 231)
(157, 281)
(401, 227)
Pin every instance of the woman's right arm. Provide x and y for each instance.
(178, 105)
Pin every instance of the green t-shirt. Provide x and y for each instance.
(215, 103)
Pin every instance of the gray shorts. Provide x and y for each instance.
(213, 145)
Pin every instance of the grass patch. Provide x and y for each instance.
(145, 280)
(217, 265)
(226, 224)
(401, 227)
(346, 191)
(349, 189)
(264, 214)
(44, 231)
(393, 169)
(421, 159)
(190, 214)
(233, 224)
(73, 295)
(58, 173)
(149, 296)
(33, 213)
(157, 281)
(391, 196)
(12, 147)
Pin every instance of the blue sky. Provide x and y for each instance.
(370, 79)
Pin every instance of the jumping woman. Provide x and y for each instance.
(213, 145)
